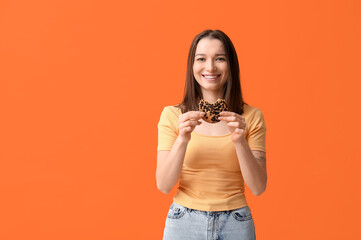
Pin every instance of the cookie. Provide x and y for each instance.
(212, 110)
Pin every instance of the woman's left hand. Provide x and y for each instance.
(235, 123)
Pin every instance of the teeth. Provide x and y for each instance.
(210, 76)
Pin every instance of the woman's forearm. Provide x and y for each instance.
(253, 173)
(169, 172)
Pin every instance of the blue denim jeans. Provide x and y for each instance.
(189, 224)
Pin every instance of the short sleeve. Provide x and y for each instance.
(256, 137)
(167, 128)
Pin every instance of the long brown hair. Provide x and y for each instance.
(232, 91)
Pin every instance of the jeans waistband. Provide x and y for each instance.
(207, 212)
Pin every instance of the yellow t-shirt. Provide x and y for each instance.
(211, 179)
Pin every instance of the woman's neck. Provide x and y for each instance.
(211, 97)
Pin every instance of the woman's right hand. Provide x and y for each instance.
(187, 122)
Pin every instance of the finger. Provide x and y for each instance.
(189, 123)
(239, 130)
(241, 125)
(190, 128)
(229, 119)
(186, 129)
(193, 122)
(195, 115)
(191, 115)
(227, 113)
(235, 124)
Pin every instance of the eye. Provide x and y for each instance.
(200, 59)
(221, 59)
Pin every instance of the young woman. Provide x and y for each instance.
(211, 160)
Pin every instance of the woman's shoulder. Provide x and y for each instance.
(172, 110)
(249, 111)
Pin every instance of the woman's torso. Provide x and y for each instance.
(211, 179)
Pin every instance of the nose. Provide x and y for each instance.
(210, 66)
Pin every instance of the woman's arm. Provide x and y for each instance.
(169, 165)
(253, 167)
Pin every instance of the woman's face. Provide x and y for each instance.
(210, 66)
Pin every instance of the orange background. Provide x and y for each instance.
(83, 84)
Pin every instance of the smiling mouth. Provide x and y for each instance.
(211, 76)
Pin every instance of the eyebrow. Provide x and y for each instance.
(218, 54)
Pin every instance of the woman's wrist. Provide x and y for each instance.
(182, 139)
(240, 141)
